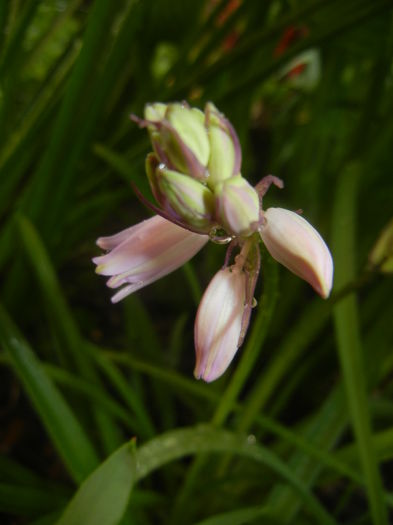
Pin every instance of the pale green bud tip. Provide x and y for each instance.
(155, 112)
(189, 199)
(225, 151)
(293, 242)
(189, 124)
(237, 206)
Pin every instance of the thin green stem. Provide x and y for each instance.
(349, 339)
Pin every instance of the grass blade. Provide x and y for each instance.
(69, 438)
(348, 336)
(60, 315)
(129, 467)
(27, 501)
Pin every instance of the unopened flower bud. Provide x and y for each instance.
(179, 137)
(237, 206)
(189, 200)
(155, 112)
(293, 242)
(218, 323)
(225, 152)
(190, 125)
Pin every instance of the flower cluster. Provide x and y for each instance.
(195, 175)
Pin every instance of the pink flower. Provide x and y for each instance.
(293, 242)
(219, 322)
(144, 253)
(195, 177)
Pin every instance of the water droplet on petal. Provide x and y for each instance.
(219, 236)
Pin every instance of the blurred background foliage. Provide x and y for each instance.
(300, 429)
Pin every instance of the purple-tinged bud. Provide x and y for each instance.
(225, 152)
(293, 242)
(237, 206)
(151, 164)
(188, 199)
(218, 324)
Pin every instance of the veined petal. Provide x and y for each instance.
(153, 249)
(218, 323)
(293, 242)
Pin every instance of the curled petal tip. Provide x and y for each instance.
(293, 242)
(100, 268)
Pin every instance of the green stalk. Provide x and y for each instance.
(349, 339)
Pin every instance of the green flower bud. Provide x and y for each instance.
(190, 125)
(201, 145)
(185, 198)
(155, 112)
(225, 153)
(237, 206)
(179, 137)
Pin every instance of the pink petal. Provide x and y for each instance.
(108, 243)
(293, 242)
(218, 323)
(152, 249)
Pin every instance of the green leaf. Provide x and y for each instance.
(100, 497)
(103, 497)
(69, 438)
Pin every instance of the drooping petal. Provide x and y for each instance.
(152, 249)
(293, 242)
(218, 323)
